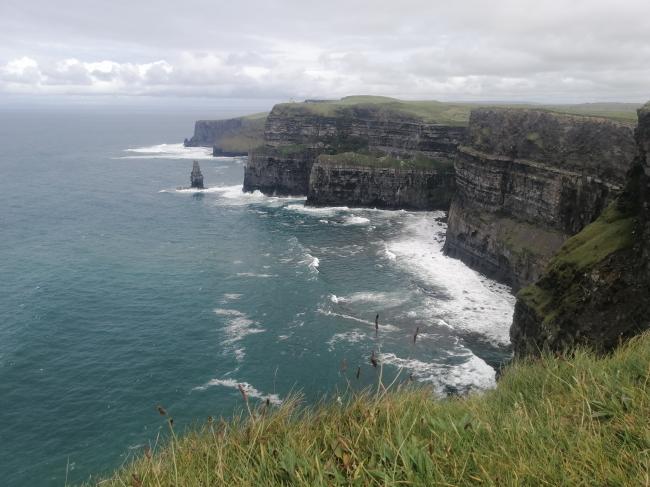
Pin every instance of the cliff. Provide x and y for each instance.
(231, 137)
(296, 133)
(596, 290)
(380, 181)
(526, 181)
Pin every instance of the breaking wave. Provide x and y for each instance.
(248, 389)
(168, 151)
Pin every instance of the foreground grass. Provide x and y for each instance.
(553, 421)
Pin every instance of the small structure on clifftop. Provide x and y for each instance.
(196, 178)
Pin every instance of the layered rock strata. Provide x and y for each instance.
(596, 290)
(526, 181)
(295, 134)
(344, 181)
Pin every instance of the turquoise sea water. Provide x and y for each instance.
(119, 292)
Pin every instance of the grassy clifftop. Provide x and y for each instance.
(443, 112)
(578, 420)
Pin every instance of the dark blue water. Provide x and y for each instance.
(119, 292)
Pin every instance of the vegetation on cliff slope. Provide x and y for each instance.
(577, 420)
(251, 134)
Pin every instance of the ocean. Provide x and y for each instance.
(120, 292)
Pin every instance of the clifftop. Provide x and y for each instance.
(589, 145)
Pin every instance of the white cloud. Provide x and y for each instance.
(469, 49)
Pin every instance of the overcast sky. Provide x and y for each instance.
(539, 50)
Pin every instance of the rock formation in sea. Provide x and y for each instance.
(596, 290)
(526, 181)
(196, 178)
(297, 133)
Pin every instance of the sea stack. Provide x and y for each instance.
(196, 178)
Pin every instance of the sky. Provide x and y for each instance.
(168, 51)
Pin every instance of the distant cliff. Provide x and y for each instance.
(596, 290)
(526, 181)
(297, 133)
(377, 181)
(230, 137)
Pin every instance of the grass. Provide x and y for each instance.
(380, 160)
(445, 113)
(577, 420)
(612, 232)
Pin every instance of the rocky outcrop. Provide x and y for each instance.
(596, 290)
(343, 180)
(228, 138)
(196, 178)
(526, 181)
(295, 134)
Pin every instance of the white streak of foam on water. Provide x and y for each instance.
(238, 326)
(171, 151)
(471, 302)
(386, 299)
(352, 336)
(383, 326)
(249, 389)
(473, 373)
(356, 220)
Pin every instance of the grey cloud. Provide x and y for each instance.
(468, 49)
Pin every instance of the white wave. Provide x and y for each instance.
(319, 211)
(473, 373)
(469, 301)
(253, 274)
(382, 326)
(356, 220)
(238, 326)
(169, 151)
(353, 336)
(315, 262)
(248, 389)
(235, 196)
(389, 255)
(227, 297)
(214, 189)
(385, 299)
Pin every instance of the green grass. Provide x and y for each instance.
(446, 113)
(380, 160)
(612, 232)
(569, 421)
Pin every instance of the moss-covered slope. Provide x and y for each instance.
(596, 290)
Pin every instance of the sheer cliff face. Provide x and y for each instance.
(527, 180)
(380, 187)
(207, 132)
(231, 137)
(596, 290)
(296, 134)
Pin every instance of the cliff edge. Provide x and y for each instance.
(596, 290)
(297, 133)
(527, 179)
